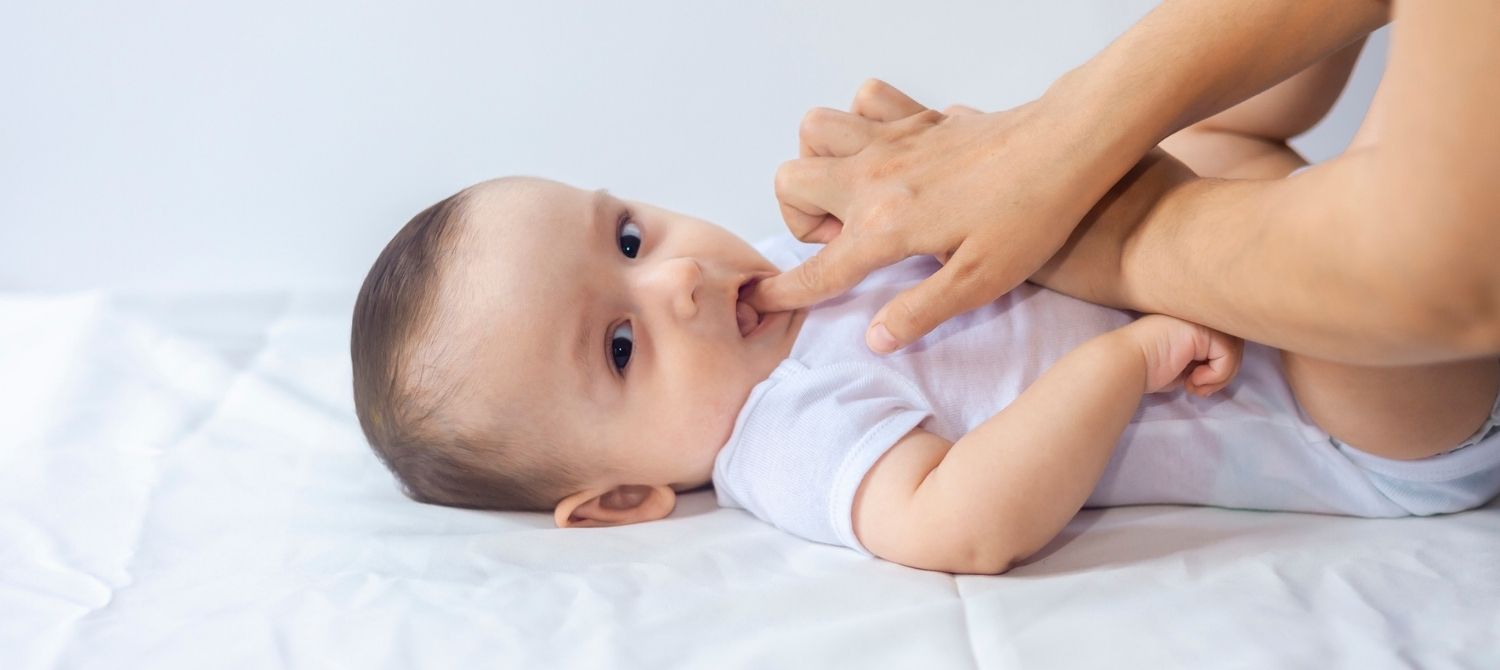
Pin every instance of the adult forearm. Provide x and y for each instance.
(1190, 59)
(1383, 256)
(1322, 264)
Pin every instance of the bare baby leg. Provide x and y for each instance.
(1401, 413)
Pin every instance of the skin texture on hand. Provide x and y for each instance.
(902, 180)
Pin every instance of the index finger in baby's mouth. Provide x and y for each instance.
(765, 294)
(835, 268)
(785, 291)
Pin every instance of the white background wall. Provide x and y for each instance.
(209, 145)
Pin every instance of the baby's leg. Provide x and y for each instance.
(1401, 413)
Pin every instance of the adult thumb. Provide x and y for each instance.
(957, 287)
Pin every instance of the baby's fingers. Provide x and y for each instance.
(1222, 364)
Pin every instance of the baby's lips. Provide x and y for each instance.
(747, 288)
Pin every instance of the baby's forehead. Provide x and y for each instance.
(524, 201)
(523, 234)
(513, 283)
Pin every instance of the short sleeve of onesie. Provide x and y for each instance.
(804, 440)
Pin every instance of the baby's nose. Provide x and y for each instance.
(676, 281)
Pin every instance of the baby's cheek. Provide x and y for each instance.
(708, 415)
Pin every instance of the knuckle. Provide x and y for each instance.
(914, 124)
(910, 311)
(815, 120)
(808, 117)
(886, 211)
(970, 282)
(929, 117)
(886, 165)
(967, 275)
(813, 273)
(871, 89)
(785, 176)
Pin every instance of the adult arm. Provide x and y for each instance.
(1382, 256)
(1190, 61)
(996, 195)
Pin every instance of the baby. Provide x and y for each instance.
(526, 345)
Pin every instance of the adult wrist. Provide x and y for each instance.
(1104, 123)
(1159, 201)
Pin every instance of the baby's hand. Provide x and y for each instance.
(1182, 353)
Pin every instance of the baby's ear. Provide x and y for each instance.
(621, 505)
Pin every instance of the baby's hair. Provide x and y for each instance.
(436, 458)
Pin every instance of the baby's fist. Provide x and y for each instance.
(1177, 352)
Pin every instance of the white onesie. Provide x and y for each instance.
(807, 435)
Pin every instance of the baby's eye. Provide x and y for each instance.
(630, 238)
(620, 344)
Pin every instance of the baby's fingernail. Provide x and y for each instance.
(879, 339)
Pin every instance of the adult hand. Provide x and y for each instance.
(992, 196)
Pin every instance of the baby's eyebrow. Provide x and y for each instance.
(584, 349)
(581, 345)
(599, 206)
(587, 350)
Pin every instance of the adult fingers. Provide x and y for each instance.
(959, 110)
(809, 190)
(830, 132)
(839, 265)
(880, 101)
(962, 284)
(825, 231)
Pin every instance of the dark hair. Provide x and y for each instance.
(436, 459)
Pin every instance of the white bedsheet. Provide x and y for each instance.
(183, 485)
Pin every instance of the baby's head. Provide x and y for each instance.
(526, 345)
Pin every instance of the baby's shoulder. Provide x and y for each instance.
(797, 388)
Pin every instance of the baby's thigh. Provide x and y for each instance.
(1401, 413)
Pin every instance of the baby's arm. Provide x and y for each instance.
(1003, 491)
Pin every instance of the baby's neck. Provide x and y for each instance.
(794, 330)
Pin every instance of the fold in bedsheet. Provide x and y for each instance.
(183, 484)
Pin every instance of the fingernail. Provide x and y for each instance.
(879, 339)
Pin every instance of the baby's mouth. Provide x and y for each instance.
(744, 314)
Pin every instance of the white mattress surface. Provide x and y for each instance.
(183, 485)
